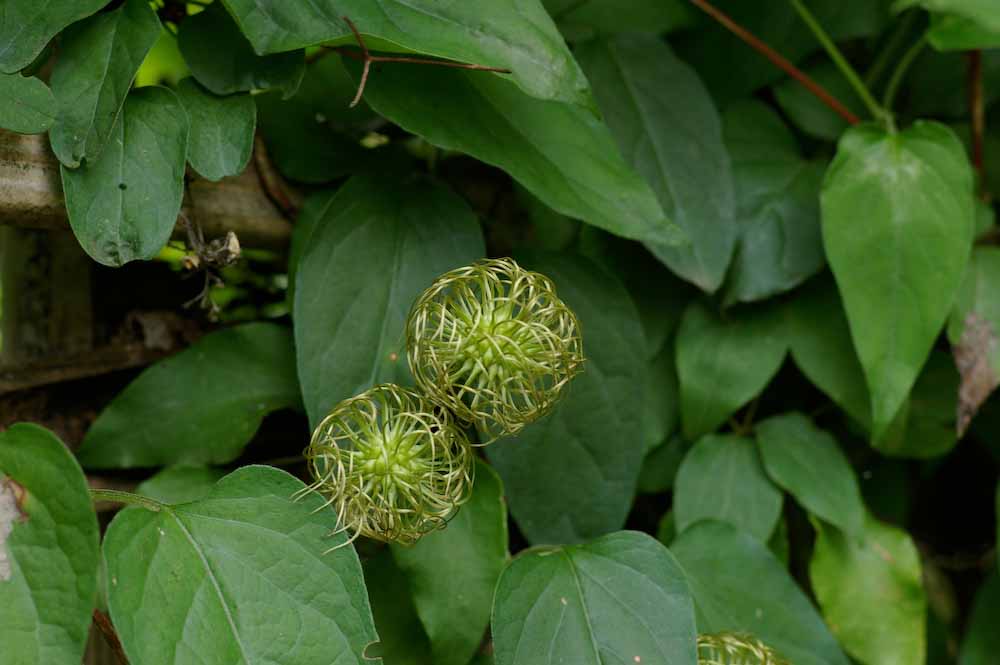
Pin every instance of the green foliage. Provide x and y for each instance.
(693, 216)
(246, 565)
(49, 549)
(581, 590)
(201, 406)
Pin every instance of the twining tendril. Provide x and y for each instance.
(493, 343)
(392, 464)
(735, 649)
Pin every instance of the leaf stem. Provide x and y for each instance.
(128, 498)
(977, 119)
(892, 44)
(777, 59)
(840, 61)
(899, 73)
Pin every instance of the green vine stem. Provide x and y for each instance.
(891, 47)
(127, 498)
(899, 73)
(841, 62)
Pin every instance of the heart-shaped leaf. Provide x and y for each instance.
(240, 576)
(619, 599)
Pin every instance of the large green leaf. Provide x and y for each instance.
(26, 28)
(511, 34)
(98, 59)
(958, 33)
(452, 573)
(571, 476)
(983, 12)
(721, 478)
(223, 61)
(731, 68)
(48, 550)
(777, 204)
(313, 137)
(807, 462)
(28, 106)
(820, 342)
(123, 205)
(669, 131)
(378, 245)
(723, 363)
(201, 406)
(871, 593)
(974, 332)
(887, 198)
(619, 599)
(739, 586)
(981, 643)
(180, 484)
(561, 153)
(221, 130)
(240, 576)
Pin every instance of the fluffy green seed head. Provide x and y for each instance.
(735, 649)
(494, 344)
(392, 464)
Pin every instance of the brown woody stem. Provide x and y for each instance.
(778, 60)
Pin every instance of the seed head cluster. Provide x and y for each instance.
(490, 346)
(735, 649)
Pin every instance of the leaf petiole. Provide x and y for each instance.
(128, 498)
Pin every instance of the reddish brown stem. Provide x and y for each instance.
(977, 117)
(367, 59)
(779, 60)
(103, 623)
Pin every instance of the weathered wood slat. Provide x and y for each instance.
(31, 197)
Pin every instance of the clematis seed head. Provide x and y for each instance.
(735, 649)
(394, 465)
(494, 344)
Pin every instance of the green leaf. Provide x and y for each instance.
(98, 60)
(29, 107)
(661, 115)
(221, 130)
(579, 20)
(983, 12)
(201, 406)
(509, 34)
(452, 573)
(807, 462)
(312, 136)
(731, 69)
(739, 586)
(721, 478)
(164, 64)
(222, 59)
(723, 363)
(886, 199)
(871, 593)
(958, 33)
(27, 28)
(777, 203)
(241, 576)
(572, 475)
(619, 599)
(811, 115)
(974, 332)
(820, 342)
(123, 205)
(180, 484)
(981, 643)
(925, 425)
(659, 469)
(659, 398)
(402, 640)
(48, 550)
(561, 153)
(380, 243)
